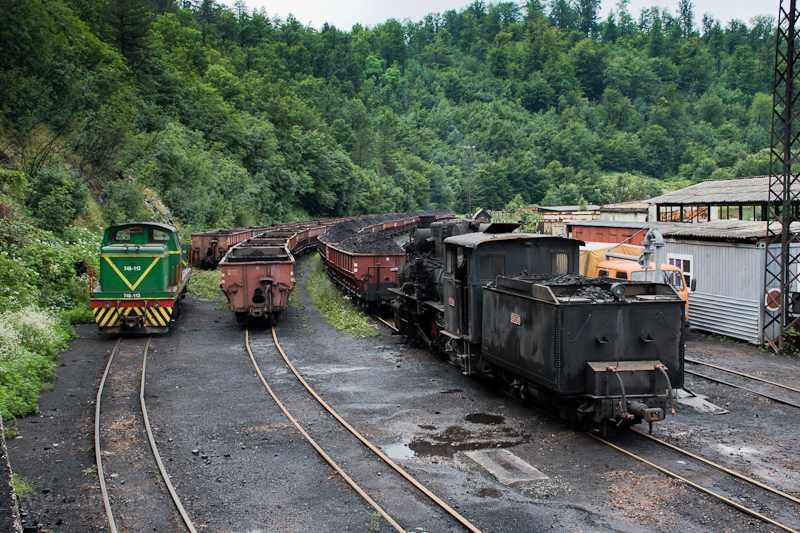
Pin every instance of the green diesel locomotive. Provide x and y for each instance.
(143, 276)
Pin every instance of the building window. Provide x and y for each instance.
(686, 265)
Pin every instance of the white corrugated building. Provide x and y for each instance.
(727, 258)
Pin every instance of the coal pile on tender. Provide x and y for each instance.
(575, 285)
(370, 243)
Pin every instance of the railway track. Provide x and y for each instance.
(369, 457)
(794, 401)
(759, 500)
(135, 486)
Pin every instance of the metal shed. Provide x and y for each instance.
(727, 257)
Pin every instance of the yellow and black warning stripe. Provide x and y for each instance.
(109, 318)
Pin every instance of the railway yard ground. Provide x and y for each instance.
(240, 465)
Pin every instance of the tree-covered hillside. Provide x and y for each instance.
(235, 118)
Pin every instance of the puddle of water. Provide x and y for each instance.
(423, 448)
(398, 451)
(452, 440)
(488, 493)
(483, 418)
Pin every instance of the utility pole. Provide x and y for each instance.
(469, 150)
(782, 245)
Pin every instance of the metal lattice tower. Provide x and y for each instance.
(782, 258)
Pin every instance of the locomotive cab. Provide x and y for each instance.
(143, 275)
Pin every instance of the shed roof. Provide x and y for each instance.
(620, 224)
(753, 190)
(568, 208)
(625, 207)
(751, 230)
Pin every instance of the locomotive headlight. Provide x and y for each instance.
(107, 305)
(618, 290)
(156, 304)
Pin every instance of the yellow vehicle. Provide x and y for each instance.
(626, 265)
(627, 269)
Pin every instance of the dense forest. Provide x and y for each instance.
(237, 118)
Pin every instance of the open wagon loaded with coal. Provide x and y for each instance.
(588, 349)
(362, 264)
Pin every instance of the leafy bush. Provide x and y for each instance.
(36, 267)
(29, 340)
(57, 198)
(123, 201)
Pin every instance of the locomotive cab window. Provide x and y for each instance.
(492, 265)
(560, 263)
(121, 235)
(450, 259)
(160, 236)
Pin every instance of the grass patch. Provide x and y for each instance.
(205, 285)
(22, 487)
(337, 308)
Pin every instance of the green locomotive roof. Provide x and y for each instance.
(148, 233)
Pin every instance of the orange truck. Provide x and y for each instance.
(628, 262)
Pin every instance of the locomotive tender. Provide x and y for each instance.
(511, 306)
(144, 275)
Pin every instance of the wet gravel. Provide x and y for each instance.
(240, 466)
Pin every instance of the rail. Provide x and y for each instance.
(701, 488)
(452, 512)
(153, 446)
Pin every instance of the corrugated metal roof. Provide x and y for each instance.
(626, 206)
(620, 224)
(568, 208)
(723, 229)
(716, 229)
(753, 190)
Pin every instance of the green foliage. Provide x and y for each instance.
(237, 119)
(337, 308)
(22, 487)
(29, 340)
(57, 197)
(205, 285)
(791, 342)
(123, 201)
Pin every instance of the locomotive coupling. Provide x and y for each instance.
(648, 414)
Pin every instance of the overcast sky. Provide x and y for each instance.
(345, 13)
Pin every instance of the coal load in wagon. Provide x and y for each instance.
(370, 243)
(339, 232)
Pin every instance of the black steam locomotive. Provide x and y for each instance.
(511, 307)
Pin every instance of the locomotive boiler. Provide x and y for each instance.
(511, 307)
